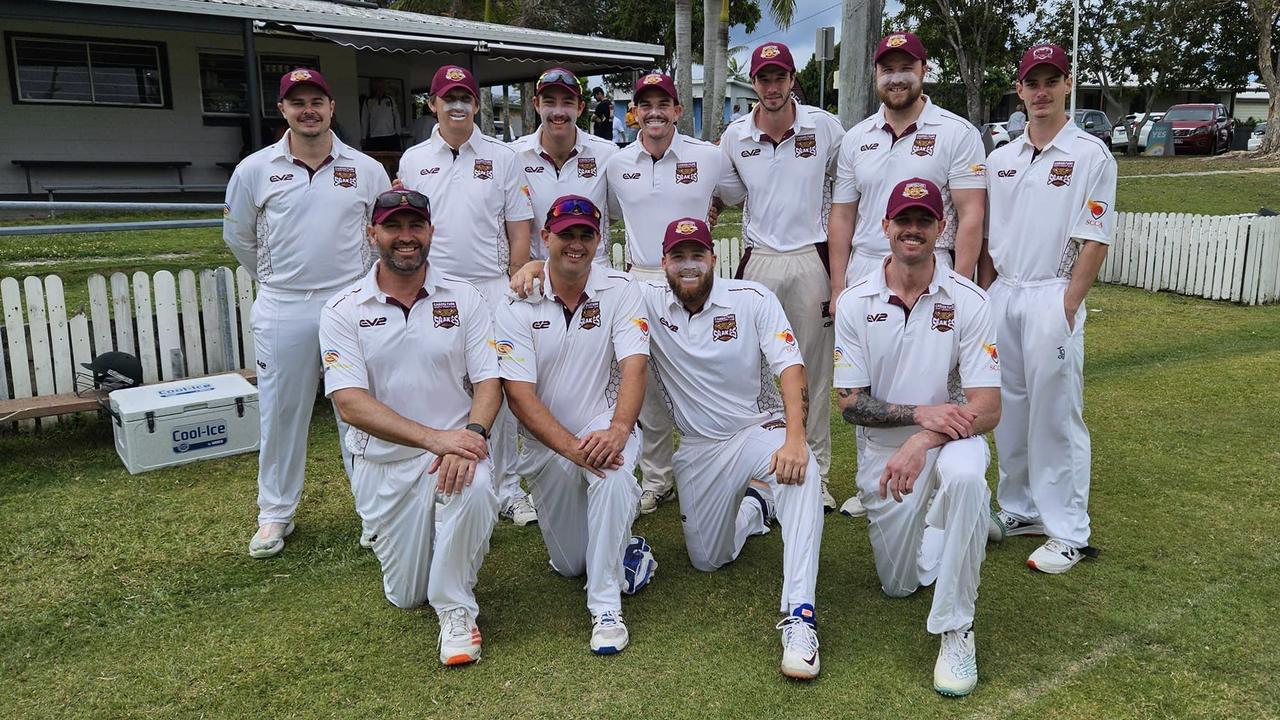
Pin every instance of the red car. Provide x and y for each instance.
(1200, 128)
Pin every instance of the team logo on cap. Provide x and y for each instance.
(483, 169)
(1043, 52)
(923, 145)
(686, 228)
(686, 172)
(299, 75)
(455, 74)
(586, 167)
(444, 314)
(651, 79)
(1060, 173)
(915, 191)
(895, 41)
(770, 51)
(590, 315)
(806, 145)
(944, 317)
(724, 328)
(346, 177)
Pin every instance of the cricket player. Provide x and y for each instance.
(1053, 193)
(908, 137)
(662, 176)
(483, 215)
(901, 331)
(409, 363)
(559, 158)
(783, 155)
(295, 218)
(572, 359)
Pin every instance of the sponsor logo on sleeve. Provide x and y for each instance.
(839, 359)
(978, 170)
(332, 360)
(483, 169)
(787, 337)
(226, 209)
(505, 350)
(643, 324)
(586, 167)
(944, 317)
(724, 328)
(590, 315)
(806, 145)
(924, 145)
(1097, 210)
(444, 314)
(344, 177)
(990, 350)
(686, 172)
(1060, 173)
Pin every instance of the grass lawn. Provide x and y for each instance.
(1144, 165)
(133, 596)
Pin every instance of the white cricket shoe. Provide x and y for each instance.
(828, 500)
(459, 637)
(608, 633)
(520, 511)
(1054, 557)
(1003, 525)
(367, 538)
(800, 644)
(955, 674)
(651, 499)
(269, 540)
(853, 507)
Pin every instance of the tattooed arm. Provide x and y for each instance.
(950, 422)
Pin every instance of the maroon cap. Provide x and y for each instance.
(400, 200)
(1047, 54)
(452, 76)
(561, 78)
(773, 53)
(571, 210)
(903, 42)
(302, 76)
(915, 192)
(684, 230)
(658, 81)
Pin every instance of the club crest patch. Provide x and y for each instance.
(1060, 173)
(944, 317)
(686, 172)
(344, 176)
(896, 41)
(590, 315)
(770, 51)
(444, 314)
(483, 169)
(923, 145)
(806, 145)
(587, 167)
(1042, 53)
(454, 74)
(651, 79)
(724, 328)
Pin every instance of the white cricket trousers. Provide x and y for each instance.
(502, 436)
(959, 512)
(658, 444)
(1041, 439)
(800, 282)
(426, 558)
(585, 520)
(286, 340)
(713, 475)
(863, 264)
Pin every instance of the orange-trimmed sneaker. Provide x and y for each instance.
(459, 638)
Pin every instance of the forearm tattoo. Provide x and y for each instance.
(867, 411)
(804, 406)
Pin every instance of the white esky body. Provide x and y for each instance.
(944, 149)
(905, 358)
(783, 185)
(647, 196)
(422, 367)
(472, 197)
(582, 174)
(574, 362)
(300, 233)
(718, 387)
(1031, 220)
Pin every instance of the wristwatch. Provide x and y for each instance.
(478, 429)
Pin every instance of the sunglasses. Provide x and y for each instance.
(574, 206)
(557, 76)
(412, 198)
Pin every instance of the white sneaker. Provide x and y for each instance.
(520, 511)
(651, 499)
(955, 674)
(367, 537)
(608, 633)
(1003, 525)
(459, 637)
(800, 644)
(1054, 557)
(853, 507)
(269, 540)
(828, 500)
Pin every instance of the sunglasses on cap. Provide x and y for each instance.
(574, 206)
(557, 75)
(395, 198)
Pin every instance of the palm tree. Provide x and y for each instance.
(684, 61)
(715, 40)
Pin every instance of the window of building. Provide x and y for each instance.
(88, 71)
(222, 82)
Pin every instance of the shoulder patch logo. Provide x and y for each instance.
(724, 328)
(444, 314)
(643, 324)
(1097, 210)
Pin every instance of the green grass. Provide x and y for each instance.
(1200, 195)
(1144, 165)
(133, 596)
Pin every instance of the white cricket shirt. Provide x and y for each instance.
(573, 357)
(784, 182)
(717, 367)
(905, 356)
(420, 361)
(1039, 204)
(298, 230)
(474, 191)
(582, 174)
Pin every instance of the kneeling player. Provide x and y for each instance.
(900, 332)
(572, 359)
(409, 364)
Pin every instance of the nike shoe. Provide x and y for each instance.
(459, 637)
(651, 499)
(1054, 557)
(853, 507)
(1004, 525)
(767, 513)
(269, 540)
(520, 511)
(955, 674)
(367, 538)
(800, 644)
(608, 633)
(638, 566)
(828, 500)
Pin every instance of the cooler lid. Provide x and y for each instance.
(172, 398)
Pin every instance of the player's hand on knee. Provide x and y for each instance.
(602, 447)
(455, 474)
(579, 458)
(789, 463)
(900, 473)
(466, 443)
(954, 421)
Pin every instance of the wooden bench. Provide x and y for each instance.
(29, 165)
(64, 404)
(113, 189)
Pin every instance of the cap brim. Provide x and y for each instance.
(564, 222)
(772, 63)
(451, 84)
(914, 204)
(379, 218)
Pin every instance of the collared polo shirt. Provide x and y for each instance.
(784, 182)
(473, 192)
(421, 363)
(1041, 205)
(297, 229)
(906, 356)
(573, 358)
(582, 174)
(717, 367)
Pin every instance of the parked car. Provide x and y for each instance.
(1095, 123)
(1200, 127)
(999, 133)
(1120, 133)
(1255, 138)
